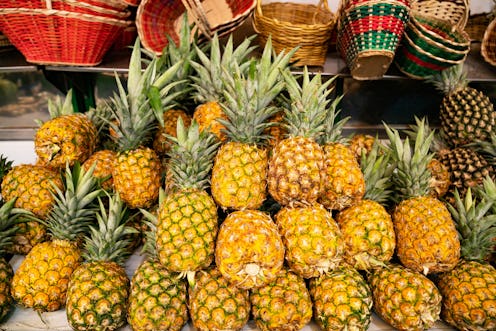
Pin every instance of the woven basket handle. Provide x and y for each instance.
(322, 3)
(194, 7)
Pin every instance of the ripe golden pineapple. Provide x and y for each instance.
(187, 218)
(161, 142)
(99, 287)
(342, 300)
(466, 114)
(208, 83)
(32, 185)
(312, 239)
(361, 143)
(276, 131)
(137, 169)
(239, 174)
(469, 289)
(249, 250)
(158, 297)
(283, 304)
(104, 160)
(426, 237)
(440, 178)
(68, 137)
(41, 280)
(296, 166)
(366, 226)
(216, 304)
(403, 298)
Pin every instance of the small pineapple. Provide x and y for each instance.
(249, 250)
(41, 280)
(216, 304)
(239, 174)
(98, 289)
(426, 237)
(440, 178)
(342, 300)
(283, 304)
(68, 137)
(312, 239)
(104, 163)
(361, 143)
(405, 299)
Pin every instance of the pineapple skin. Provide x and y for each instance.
(65, 139)
(469, 296)
(342, 300)
(426, 236)
(282, 305)
(161, 142)
(239, 176)
(249, 250)
(6, 300)
(42, 279)
(368, 234)
(405, 299)
(215, 304)
(312, 239)
(104, 160)
(157, 300)
(343, 182)
(296, 171)
(186, 231)
(207, 115)
(97, 296)
(137, 177)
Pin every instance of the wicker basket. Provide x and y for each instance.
(292, 24)
(477, 25)
(59, 37)
(369, 32)
(488, 45)
(454, 11)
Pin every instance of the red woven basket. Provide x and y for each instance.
(112, 5)
(59, 37)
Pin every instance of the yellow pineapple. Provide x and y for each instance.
(312, 239)
(161, 142)
(41, 280)
(98, 289)
(426, 237)
(215, 304)
(283, 304)
(239, 174)
(342, 300)
(104, 163)
(249, 250)
(361, 143)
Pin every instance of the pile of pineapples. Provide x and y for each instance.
(232, 176)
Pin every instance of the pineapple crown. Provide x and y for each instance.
(191, 156)
(411, 176)
(59, 107)
(333, 128)
(149, 93)
(9, 218)
(108, 241)
(306, 111)
(207, 82)
(74, 209)
(249, 95)
(5, 166)
(449, 80)
(151, 221)
(487, 148)
(475, 221)
(377, 170)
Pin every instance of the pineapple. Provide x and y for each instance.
(215, 304)
(68, 137)
(366, 226)
(161, 142)
(158, 297)
(208, 83)
(98, 289)
(283, 304)
(361, 143)
(405, 299)
(343, 181)
(276, 132)
(296, 166)
(249, 250)
(312, 239)
(5, 167)
(440, 178)
(239, 174)
(466, 114)
(104, 160)
(34, 187)
(426, 237)
(41, 280)
(469, 289)
(342, 300)
(137, 169)
(187, 218)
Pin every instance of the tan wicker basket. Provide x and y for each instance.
(488, 45)
(308, 26)
(477, 25)
(454, 11)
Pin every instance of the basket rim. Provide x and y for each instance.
(486, 40)
(429, 54)
(425, 31)
(461, 23)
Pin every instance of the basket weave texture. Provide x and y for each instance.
(369, 32)
(477, 25)
(308, 26)
(488, 45)
(80, 35)
(454, 11)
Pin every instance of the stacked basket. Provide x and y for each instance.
(63, 32)
(369, 32)
(488, 45)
